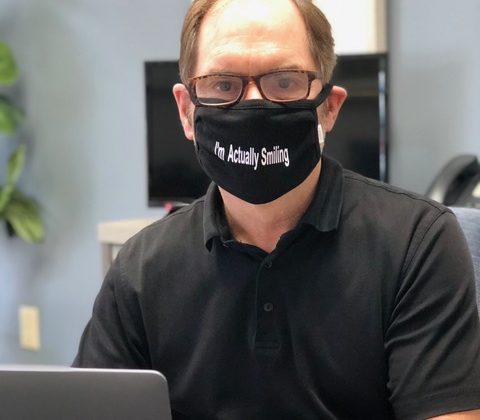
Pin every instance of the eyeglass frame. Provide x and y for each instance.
(312, 75)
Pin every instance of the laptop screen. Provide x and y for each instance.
(42, 393)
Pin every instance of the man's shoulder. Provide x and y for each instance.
(171, 230)
(386, 210)
(366, 192)
(184, 215)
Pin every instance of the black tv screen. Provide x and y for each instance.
(358, 140)
(174, 174)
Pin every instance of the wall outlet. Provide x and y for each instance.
(29, 327)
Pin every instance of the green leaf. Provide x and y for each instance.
(24, 216)
(14, 169)
(8, 67)
(10, 116)
(16, 162)
(5, 194)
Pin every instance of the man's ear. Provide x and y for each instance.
(329, 112)
(185, 109)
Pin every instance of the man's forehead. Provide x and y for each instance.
(260, 8)
(226, 12)
(251, 36)
(254, 19)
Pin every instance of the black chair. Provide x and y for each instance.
(469, 219)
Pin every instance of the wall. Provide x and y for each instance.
(82, 88)
(357, 25)
(434, 86)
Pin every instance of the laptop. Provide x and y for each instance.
(63, 393)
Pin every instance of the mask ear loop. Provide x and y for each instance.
(321, 136)
(323, 95)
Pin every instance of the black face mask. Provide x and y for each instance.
(259, 150)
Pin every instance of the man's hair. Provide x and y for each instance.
(319, 33)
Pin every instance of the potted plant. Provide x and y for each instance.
(20, 213)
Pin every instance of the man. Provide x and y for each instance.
(293, 289)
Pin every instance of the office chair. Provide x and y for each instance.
(469, 219)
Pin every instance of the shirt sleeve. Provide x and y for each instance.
(432, 341)
(114, 337)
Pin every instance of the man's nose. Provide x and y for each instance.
(252, 91)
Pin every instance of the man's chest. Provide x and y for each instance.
(311, 336)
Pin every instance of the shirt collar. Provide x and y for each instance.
(325, 209)
(323, 213)
(213, 215)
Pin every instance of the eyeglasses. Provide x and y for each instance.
(227, 89)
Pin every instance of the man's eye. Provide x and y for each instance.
(223, 86)
(285, 83)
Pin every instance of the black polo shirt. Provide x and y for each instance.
(364, 311)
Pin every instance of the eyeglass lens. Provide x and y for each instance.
(279, 86)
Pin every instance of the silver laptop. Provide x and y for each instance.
(61, 393)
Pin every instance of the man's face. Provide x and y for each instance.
(251, 37)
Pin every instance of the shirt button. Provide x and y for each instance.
(268, 264)
(268, 307)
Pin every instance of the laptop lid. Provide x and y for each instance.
(41, 393)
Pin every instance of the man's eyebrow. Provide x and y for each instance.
(227, 70)
(288, 67)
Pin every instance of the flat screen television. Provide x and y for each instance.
(358, 140)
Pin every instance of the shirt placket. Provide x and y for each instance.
(266, 334)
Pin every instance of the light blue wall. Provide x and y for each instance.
(435, 86)
(82, 87)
